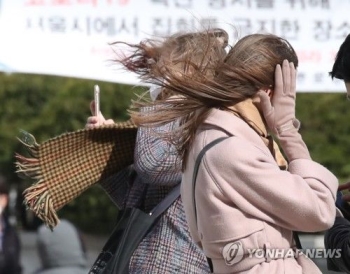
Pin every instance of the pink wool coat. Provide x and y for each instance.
(247, 206)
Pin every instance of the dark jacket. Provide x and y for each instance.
(10, 252)
(338, 237)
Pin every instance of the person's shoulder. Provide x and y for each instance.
(237, 148)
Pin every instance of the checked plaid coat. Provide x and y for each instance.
(168, 247)
(135, 168)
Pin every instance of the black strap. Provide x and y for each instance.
(166, 202)
(297, 240)
(195, 173)
(196, 168)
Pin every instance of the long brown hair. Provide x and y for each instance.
(248, 67)
(182, 51)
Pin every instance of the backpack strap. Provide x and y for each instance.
(297, 240)
(166, 202)
(195, 173)
(196, 168)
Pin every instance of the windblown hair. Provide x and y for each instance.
(341, 66)
(248, 67)
(184, 52)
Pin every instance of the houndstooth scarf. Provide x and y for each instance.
(65, 166)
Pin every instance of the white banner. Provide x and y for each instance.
(71, 37)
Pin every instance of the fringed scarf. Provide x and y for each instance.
(65, 166)
(248, 111)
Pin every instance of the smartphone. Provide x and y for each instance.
(97, 99)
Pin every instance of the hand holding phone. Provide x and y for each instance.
(97, 99)
(97, 119)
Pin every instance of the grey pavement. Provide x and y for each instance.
(30, 260)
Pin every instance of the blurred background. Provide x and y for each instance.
(47, 106)
(52, 53)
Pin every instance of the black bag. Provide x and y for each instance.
(131, 228)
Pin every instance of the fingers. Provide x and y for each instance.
(95, 121)
(99, 120)
(344, 186)
(92, 107)
(265, 102)
(286, 74)
(91, 122)
(293, 79)
(285, 78)
(278, 80)
(108, 122)
(346, 197)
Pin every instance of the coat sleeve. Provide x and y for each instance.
(118, 185)
(155, 161)
(301, 199)
(338, 238)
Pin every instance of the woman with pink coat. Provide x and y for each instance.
(247, 197)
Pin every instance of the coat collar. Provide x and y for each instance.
(233, 125)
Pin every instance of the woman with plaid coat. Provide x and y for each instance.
(168, 247)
